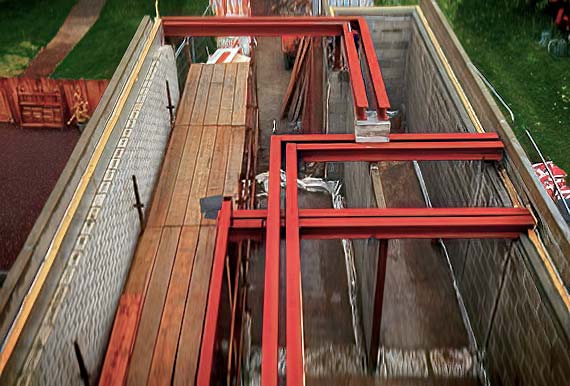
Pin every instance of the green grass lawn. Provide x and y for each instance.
(502, 41)
(21, 32)
(99, 52)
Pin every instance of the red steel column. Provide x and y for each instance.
(212, 311)
(378, 302)
(294, 316)
(270, 333)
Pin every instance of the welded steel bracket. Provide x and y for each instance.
(372, 129)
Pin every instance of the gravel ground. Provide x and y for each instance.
(30, 164)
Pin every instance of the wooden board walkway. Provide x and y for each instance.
(157, 332)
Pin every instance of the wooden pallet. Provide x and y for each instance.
(171, 268)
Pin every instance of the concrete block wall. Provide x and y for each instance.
(520, 337)
(514, 326)
(358, 193)
(526, 345)
(101, 241)
(522, 343)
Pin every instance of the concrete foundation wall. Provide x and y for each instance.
(520, 336)
(358, 193)
(83, 289)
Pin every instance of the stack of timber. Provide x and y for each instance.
(157, 333)
(295, 99)
(302, 103)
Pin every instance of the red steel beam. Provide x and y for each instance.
(182, 26)
(294, 319)
(393, 137)
(382, 104)
(415, 227)
(346, 27)
(355, 73)
(214, 294)
(261, 214)
(404, 223)
(378, 304)
(413, 212)
(405, 151)
(442, 137)
(270, 333)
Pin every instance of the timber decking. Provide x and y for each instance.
(157, 331)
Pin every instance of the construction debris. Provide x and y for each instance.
(296, 95)
(292, 7)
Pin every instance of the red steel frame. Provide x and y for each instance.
(214, 294)
(380, 223)
(348, 28)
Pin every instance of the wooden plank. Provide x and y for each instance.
(202, 95)
(184, 179)
(143, 261)
(240, 95)
(152, 309)
(218, 166)
(121, 342)
(299, 61)
(165, 186)
(377, 186)
(235, 160)
(215, 95)
(192, 325)
(186, 104)
(227, 102)
(162, 367)
(201, 176)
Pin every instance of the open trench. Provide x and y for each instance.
(423, 336)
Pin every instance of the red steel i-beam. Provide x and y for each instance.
(214, 294)
(347, 27)
(294, 318)
(383, 224)
(270, 333)
(397, 223)
(402, 151)
(181, 26)
(355, 73)
(382, 104)
(378, 304)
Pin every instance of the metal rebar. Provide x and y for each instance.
(84, 374)
(139, 205)
(170, 106)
